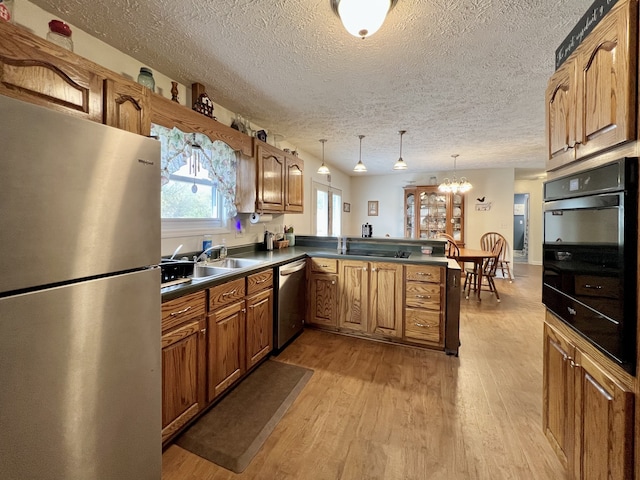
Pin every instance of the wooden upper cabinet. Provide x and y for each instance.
(127, 106)
(37, 71)
(591, 98)
(271, 178)
(294, 185)
(561, 115)
(607, 86)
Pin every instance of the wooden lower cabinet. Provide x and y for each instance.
(588, 414)
(323, 292)
(226, 347)
(259, 333)
(424, 312)
(353, 282)
(183, 361)
(385, 299)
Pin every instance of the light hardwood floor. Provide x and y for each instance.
(377, 411)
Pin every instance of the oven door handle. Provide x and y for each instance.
(591, 201)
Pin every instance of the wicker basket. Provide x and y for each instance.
(281, 244)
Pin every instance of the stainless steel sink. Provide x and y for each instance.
(232, 263)
(201, 271)
(220, 267)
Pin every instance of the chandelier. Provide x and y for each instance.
(362, 18)
(455, 186)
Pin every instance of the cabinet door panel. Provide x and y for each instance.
(294, 191)
(271, 178)
(226, 347)
(607, 95)
(561, 116)
(604, 424)
(558, 393)
(385, 293)
(127, 107)
(182, 383)
(323, 298)
(259, 327)
(353, 299)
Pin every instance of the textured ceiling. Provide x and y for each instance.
(461, 76)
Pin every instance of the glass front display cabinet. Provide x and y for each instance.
(428, 213)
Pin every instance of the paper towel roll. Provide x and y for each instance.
(257, 218)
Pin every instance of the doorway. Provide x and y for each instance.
(521, 228)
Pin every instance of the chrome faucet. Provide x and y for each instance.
(204, 255)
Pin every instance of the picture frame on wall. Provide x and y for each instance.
(346, 207)
(372, 208)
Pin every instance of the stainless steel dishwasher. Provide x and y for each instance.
(291, 302)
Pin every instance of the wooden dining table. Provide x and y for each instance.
(477, 257)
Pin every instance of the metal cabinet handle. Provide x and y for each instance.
(595, 287)
(262, 281)
(203, 331)
(232, 292)
(423, 274)
(180, 312)
(423, 296)
(573, 364)
(374, 269)
(243, 310)
(324, 266)
(333, 282)
(424, 325)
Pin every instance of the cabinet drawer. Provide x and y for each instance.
(226, 293)
(424, 273)
(175, 312)
(423, 295)
(259, 281)
(423, 325)
(326, 265)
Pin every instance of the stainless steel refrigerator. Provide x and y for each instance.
(80, 365)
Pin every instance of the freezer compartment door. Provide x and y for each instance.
(78, 198)
(81, 381)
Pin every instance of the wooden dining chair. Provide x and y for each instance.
(451, 250)
(488, 267)
(486, 243)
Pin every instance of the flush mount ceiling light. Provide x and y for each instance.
(455, 186)
(400, 164)
(323, 170)
(362, 18)
(360, 166)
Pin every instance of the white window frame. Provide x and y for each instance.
(315, 187)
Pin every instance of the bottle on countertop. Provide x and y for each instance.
(60, 34)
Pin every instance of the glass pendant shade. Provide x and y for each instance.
(323, 170)
(400, 164)
(362, 18)
(455, 185)
(360, 166)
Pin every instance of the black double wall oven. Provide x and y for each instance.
(590, 256)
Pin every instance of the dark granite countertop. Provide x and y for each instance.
(276, 258)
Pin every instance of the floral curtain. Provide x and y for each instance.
(217, 157)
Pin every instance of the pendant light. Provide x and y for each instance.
(360, 166)
(455, 186)
(400, 164)
(323, 170)
(362, 18)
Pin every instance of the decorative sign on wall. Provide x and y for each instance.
(589, 20)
